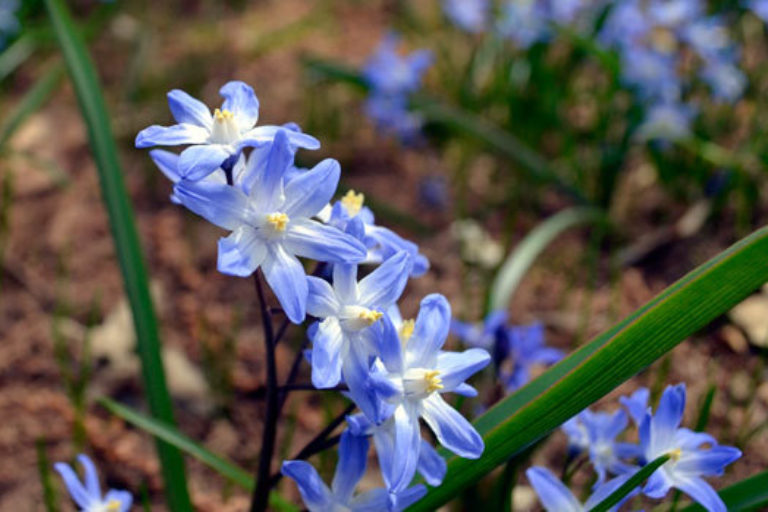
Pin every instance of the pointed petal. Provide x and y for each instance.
(310, 191)
(554, 496)
(355, 368)
(636, 404)
(75, 488)
(353, 457)
(465, 389)
(217, 203)
(608, 488)
(264, 134)
(314, 492)
(703, 493)
(175, 135)
(667, 419)
(91, 475)
(709, 462)
(432, 467)
(288, 281)
(124, 498)
(317, 241)
(376, 500)
(430, 331)
(451, 428)
(406, 446)
(327, 344)
(267, 191)
(167, 162)
(345, 283)
(240, 99)
(658, 484)
(382, 287)
(387, 343)
(322, 301)
(456, 367)
(241, 253)
(197, 162)
(408, 497)
(186, 109)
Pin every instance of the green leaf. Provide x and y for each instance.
(613, 357)
(94, 112)
(173, 437)
(627, 487)
(528, 250)
(749, 495)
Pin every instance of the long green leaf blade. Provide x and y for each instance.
(528, 250)
(595, 369)
(172, 436)
(749, 495)
(627, 487)
(94, 111)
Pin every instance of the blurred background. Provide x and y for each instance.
(643, 128)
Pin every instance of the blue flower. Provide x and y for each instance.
(349, 214)
(693, 455)
(526, 349)
(353, 455)
(760, 8)
(412, 374)
(469, 15)
(213, 139)
(556, 497)
(390, 74)
(667, 121)
(87, 494)
(343, 343)
(725, 79)
(636, 404)
(168, 163)
(430, 465)
(596, 433)
(525, 23)
(271, 223)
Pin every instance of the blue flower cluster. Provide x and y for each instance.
(516, 349)
(693, 455)
(392, 78)
(87, 493)
(469, 15)
(395, 370)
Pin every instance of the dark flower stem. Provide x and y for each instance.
(260, 499)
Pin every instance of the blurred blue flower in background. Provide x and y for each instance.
(9, 21)
(667, 121)
(469, 15)
(692, 454)
(87, 494)
(556, 497)
(760, 8)
(271, 223)
(524, 22)
(526, 350)
(353, 458)
(636, 404)
(213, 139)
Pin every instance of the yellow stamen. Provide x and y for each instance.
(113, 505)
(278, 220)
(222, 115)
(434, 382)
(353, 202)
(675, 454)
(369, 316)
(406, 330)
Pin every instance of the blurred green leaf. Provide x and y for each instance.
(172, 436)
(528, 250)
(748, 495)
(628, 486)
(94, 111)
(613, 357)
(44, 471)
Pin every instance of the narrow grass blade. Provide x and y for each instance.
(528, 250)
(628, 486)
(44, 470)
(613, 357)
(749, 495)
(94, 111)
(15, 55)
(704, 410)
(31, 102)
(173, 437)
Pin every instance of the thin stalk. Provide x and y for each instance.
(260, 499)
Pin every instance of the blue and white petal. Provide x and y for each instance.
(451, 428)
(286, 277)
(189, 110)
(175, 135)
(314, 492)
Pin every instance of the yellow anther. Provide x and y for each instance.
(434, 382)
(675, 454)
(222, 115)
(353, 202)
(370, 316)
(406, 330)
(113, 505)
(278, 220)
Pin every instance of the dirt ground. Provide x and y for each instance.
(61, 285)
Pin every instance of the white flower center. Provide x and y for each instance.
(278, 221)
(109, 506)
(224, 129)
(420, 382)
(357, 318)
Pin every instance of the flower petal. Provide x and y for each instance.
(314, 492)
(288, 281)
(241, 253)
(175, 135)
(310, 191)
(345, 283)
(667, 419)
(387, 343)
(75, 488)
(240, 99)
(312, 239)
(91, 475)
(186, 109)
(432, 466)
(703, 493)
(451, 428)
(321, 301)
(355, 368)
(327, 344)
(709, 462)
(167, 162)
(217, 203)
(554, 496)
(197, 162)
(124, 498)
(430, 330)
(406, 443)
(382, 287)
(353, 456)
(265, 133)
(267, 190)
(456, 367)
